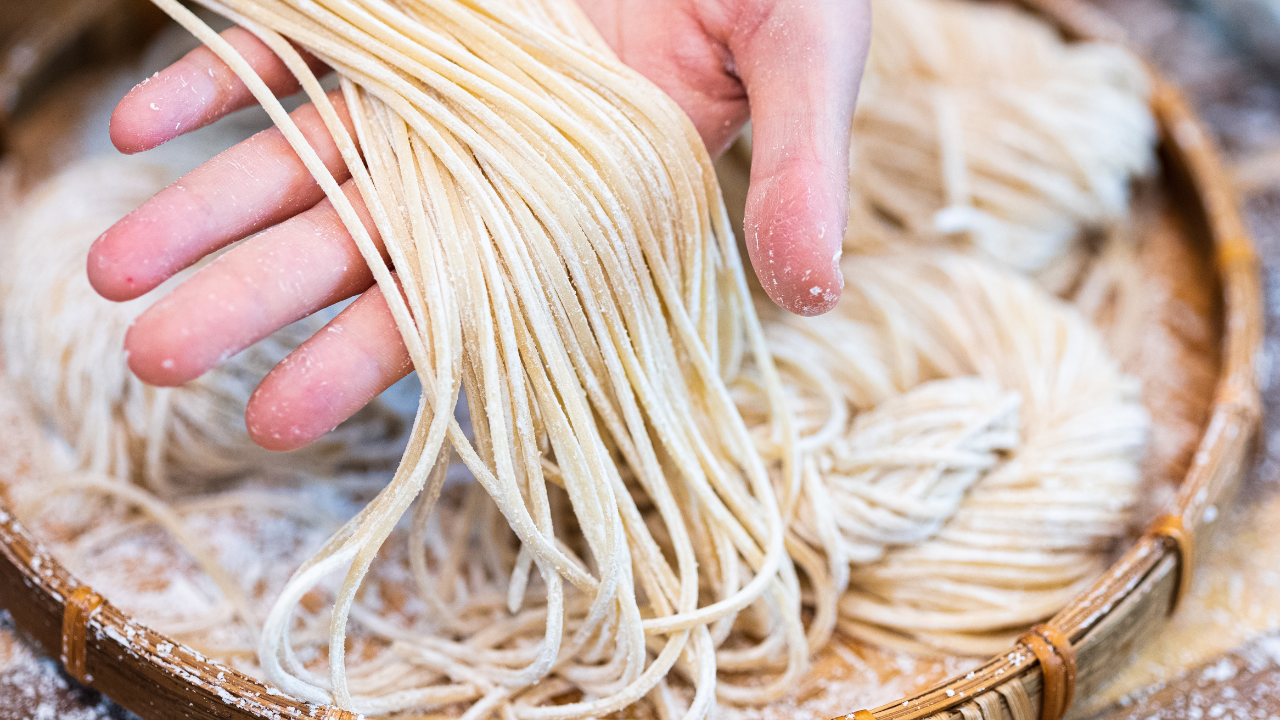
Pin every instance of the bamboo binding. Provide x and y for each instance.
(81, 606)
(1057, 669)
(1169, 528)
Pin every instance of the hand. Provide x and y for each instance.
(793, 66)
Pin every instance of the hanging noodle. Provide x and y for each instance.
(590, 322)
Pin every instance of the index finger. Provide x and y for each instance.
(197, 91)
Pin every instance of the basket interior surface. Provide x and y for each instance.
(1182, 299)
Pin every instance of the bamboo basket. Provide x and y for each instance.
(1071, 655)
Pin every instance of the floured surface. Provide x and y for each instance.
(36, 688)
(849, 676)
(1157, 303)
(1236, 597)
(1244, 683)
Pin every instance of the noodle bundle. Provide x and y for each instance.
(1021, 465)
(593, 324)
(981, 129)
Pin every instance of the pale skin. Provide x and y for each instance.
(791, 66)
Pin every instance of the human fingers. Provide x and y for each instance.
(196, 91)
(801, 62)
(248, 188)
(329, 377)
(278, 277)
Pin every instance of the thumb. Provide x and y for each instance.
(801, 62)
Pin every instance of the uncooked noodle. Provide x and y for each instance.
(674, 501)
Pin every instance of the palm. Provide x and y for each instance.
(791, 65)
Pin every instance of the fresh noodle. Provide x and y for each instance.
(671, 501)
(991, 461)
(538, 278)
(981, 129)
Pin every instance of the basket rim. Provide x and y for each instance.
(92, 637)
(1235, 411)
